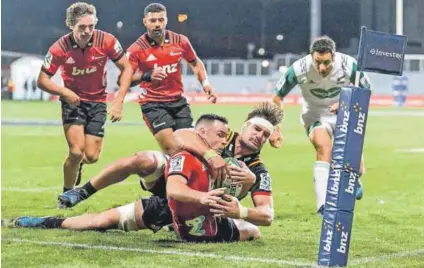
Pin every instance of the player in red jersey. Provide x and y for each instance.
(156, 57)
(154, 212)
(81, 57)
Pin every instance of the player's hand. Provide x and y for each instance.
(115, 111)
(333, 108)
(211, 197)
(276, 138)
(227, 206)
(158, 74)
(242, 175)
(210, 92)
(218, 169)
(71, 97)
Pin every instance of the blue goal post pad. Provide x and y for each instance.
(381, 52)
(343, 179)
(350, 128)
(336, 232)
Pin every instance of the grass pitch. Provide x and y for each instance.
(388, 229)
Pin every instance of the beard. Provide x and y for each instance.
(249, 146)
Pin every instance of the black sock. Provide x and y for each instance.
(66, 189)
(89, 188)
(53, 222)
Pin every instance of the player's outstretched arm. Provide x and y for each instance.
(188, 140)
(45, 83)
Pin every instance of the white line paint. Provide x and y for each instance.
(53, 189)
(297, 263)
(412, 150)
(168, 252)
(387, 256)
(396, 113)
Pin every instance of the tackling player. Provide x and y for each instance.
(213, 130)
(156, 57)
(245, 146)
(320, 75)
(81, 57)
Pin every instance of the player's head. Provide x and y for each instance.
(213, 129)
(259, 125)
(155, 19)
(322, 51)
(81, 18)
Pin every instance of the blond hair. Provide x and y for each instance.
(77, 10)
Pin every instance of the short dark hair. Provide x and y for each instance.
(154, 7)
(323, 44)
(268, 111)
(211, 118)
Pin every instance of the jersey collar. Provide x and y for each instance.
(153, 42)
(74, 43)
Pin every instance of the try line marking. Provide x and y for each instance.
(217, 256)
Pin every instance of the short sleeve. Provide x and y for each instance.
(53, 60)
(188, 52)
(114, 49)
(263, 184)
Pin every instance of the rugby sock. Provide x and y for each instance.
(321, 172)
(89, 189)
(66, 189)
(52, 222)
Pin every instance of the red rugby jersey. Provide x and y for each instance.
(84, 70)
(145, 54)
(191, 220)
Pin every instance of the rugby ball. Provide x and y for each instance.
(232, 188)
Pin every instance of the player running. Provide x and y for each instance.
(81, 57)
(156, 57)
(320, 75)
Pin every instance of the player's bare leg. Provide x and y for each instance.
(76, 142)
(322, 142)
(148, 165)
(127, 218)
(92, 149)
(247, 230)
(166, 140)
(141, 163)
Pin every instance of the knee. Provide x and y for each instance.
(91, 158)
(142, 163)
(324, 150)
(76, 153)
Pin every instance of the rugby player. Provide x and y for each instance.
(81, 56)
(320, 75)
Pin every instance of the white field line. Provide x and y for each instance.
(412, 150)
(388, 256)
(217, 256)
(396, 113)
(53, 189)
(168, 252)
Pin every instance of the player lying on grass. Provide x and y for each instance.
(190, 196)
(320, 75)
(150, 167)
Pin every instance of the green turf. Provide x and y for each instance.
(388, 220)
